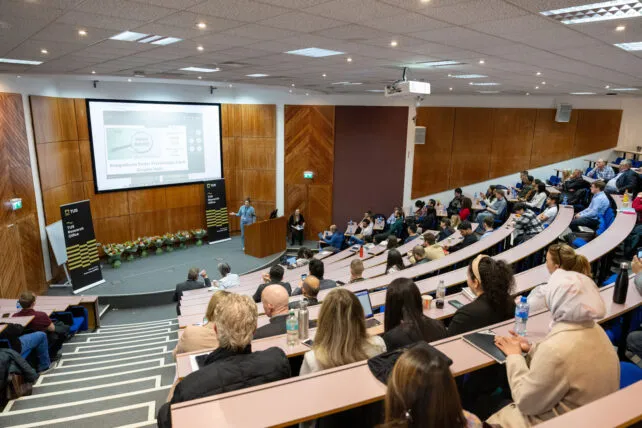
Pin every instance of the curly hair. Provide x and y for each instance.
(497, 281)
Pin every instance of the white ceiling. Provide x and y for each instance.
(249, 36)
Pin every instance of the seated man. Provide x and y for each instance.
(575, 182)
(364, 233)
(192, 283)
(393, 216)
(496, 208)
(432, 250)
(275, 305)
(228, 279)
(412, 233)
(274, 277)
(24, 344)
(550, 209)
(418, 255)
(626, 180)
(356, 271)
(526, 224)
(527, 186)
(487, 224)
(395, 229)
(232, 365)
(334, 242)
(455, 205)
(316, 268)
(466, 230)
(590, 217)
(310, 287)
(602, 171)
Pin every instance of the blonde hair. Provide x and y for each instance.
(217, 298)
(455, 221)
(356, 267)
(566, 258)
(235, 321)
(341, 335)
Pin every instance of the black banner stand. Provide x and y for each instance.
(218, 228)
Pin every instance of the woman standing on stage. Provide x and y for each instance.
(248, 216)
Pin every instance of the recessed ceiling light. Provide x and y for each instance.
(290, 91)
(18, 77)
(82, 32)
(201, 69)
(450, 89)
(306, 94)
(484, 83)
(607, 87)
(20, 61)
(324, 75)
(393, 43)
(467, 76)
(314, 52)
(539, 73)
(129, 36)
(149, 39)
(431, 64)
(620, 28)
(292, 85)
(528, 93)
(543, 83)
(349, 59)
(230, 85)
(201, 25)
(631, 46)
(625, 89)
(129, 80)
(481, 61)
(200, 77)
(425, 1)
(582, 93)
(257, 75)
(200, 48)
(166, 41)
(488, 92)
(536, 87)
(93, 71)
(44, 51)
(604, 11)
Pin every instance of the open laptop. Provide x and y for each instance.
(366, 304)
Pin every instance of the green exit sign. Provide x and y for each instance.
(16, 204)
(308, 174)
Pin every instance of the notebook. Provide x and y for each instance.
(485, 342)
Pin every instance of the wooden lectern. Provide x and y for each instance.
(266, 237)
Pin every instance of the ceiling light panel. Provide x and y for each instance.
(434, 64)
(20, 61)
(131, 36)
(631, 46)
(314, 52)
(625, 89)
(484, 84)
(604, 11)
(200, 69)
(257, 75)
(468, 76)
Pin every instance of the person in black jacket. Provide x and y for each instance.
(192, 283)
(274, 277)
(317, 268)
(233, 365)
(296, 224)
(404, 321)
(445, 229)
(455, 205)
(575, 182)
(626, 180)
(275, 305)
(466, 230)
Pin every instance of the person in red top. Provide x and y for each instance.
(41, 321)
(633, 240)
(466, 207)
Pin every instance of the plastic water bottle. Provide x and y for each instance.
(292, 328)
(565, 201)
(304, 319)
(521, 316)
(441, 294)
(625, 199)
(18, 307)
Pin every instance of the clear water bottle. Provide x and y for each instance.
(304, 320)
(441, 294)
(521, 316)
(18, 307)
(565, 201)
(292, 328)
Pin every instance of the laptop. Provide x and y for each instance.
(366, 304)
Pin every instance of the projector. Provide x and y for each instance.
(407, 88)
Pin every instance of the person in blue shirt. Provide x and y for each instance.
(590, 217)
(335, 241)
(248, 216)
(602, 171)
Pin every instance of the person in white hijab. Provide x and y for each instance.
(573, 365)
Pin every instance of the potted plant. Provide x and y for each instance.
(199, 234)
(131, 248)
(170, 239)
(183, 236)
(143, 244)
(158, 243)
(113, 253)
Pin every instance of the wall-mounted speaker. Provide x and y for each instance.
(563, 113)
(420, 135)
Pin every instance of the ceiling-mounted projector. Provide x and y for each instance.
(407, 88)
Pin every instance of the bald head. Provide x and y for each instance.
(275, 300)
(311, 286)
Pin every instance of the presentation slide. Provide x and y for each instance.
(148, 144)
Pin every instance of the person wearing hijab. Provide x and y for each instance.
(573, 365)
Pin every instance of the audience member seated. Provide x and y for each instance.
(418, 255)
(432, 250)
(492, 282)
(527, 224)
(303, 256)
(274, 277)
(192, 283)
(550, 211)
(316, 268)
(395, 229)
(394, 262)
(341, 337)
(275, 305)
(445, 229)
(466, 230)
(496, 208)
(233, 365)
(602, 171)
(455, 221)
(575, 182)
(404, 320)
(196, 337)
(365, 233)
(527, 185)
(334, 242)
(488, 225)
(422, 208)
(455, 205)
(429, 222)
(228, 279)
(393, 217)
(590, 217)
(634, 339)
(626, 180)
(466, 209)
(56, 333)
(489, 196)
(561, 261)
(296, 225)
(412, 233)
(26, 345)
(573, 365)
(310, 286)
(632, 241)
(422, 392)
(539, 199)
(356, 271)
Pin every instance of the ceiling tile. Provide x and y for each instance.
(294, 4)
(78, 18)
(354, 10)
(239, 10)
(31, 50)
(124, 9)
(190, 20)
(168, 30)
(259, 32)
(172, 4)
(301, 22)
(405, 23)
(477, 11)
(57, 32)
(353, 32)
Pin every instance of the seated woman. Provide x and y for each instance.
(466, 209)
(561, 259)
(393, 243)
(422, 393)
(394, 262)
(445, 229)
(539, 199)
(197, 337)
(573, 365)
(420, 213)
(404, 321)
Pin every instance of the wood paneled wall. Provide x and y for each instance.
(21, 263)
(309, 146)
(64, 161)
(469, 145)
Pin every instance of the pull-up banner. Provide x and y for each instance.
(218, 228)
(82, 254)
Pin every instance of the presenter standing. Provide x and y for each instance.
(248, 216)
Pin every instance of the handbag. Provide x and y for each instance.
(18, 387)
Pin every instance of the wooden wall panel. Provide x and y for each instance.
(65, 194)
(11, 268)
(112, 204)
(259, 185)
(472, 142)
(257, 153)
(431, 166)
(309, 146)
(142, 201)
(552, 141)
(86, 167)
(112, 229)
(255, 120)
(596, 130)
(150, 223)
(30, 249)
(59, 163)
(82, 125)
(512, 140)
(185, 218)
(54, 119)
(185, 196)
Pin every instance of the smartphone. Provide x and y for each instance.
(304, 276)
(640, 253)
(456, 303)
(308, 343)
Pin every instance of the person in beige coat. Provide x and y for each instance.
(573, 365)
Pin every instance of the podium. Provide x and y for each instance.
(265, 237)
